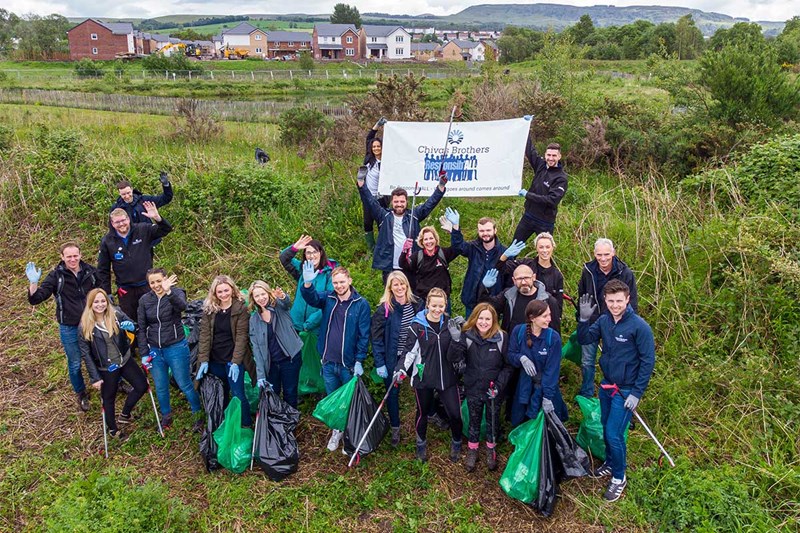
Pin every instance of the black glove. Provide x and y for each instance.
(164, 179)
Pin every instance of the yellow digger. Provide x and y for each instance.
(235, 53)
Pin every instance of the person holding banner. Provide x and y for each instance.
(372, 160)
(547, 188)
(397, 226)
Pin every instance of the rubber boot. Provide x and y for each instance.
(369, 237)
(422, 451)
(491, 459)
(472, 458)
(455, 450)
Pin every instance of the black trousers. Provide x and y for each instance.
(108, 390)
(475, 406)
(425, 407)
(129, 302)
(528, 226)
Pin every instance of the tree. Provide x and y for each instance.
(43, 37)
(8, 23)
(306, 61)
(741, 32)
(188, 34)
(519, 44)
(788, 42)
(688, 38)
(430, 38)
(345, 14)
(582, 29)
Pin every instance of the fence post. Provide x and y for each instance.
(327, 76)
(271, 75)
(252, 76)
(291, 76)
(360, 73)
(233, 75)
(166, 75)
(190, 75)
(212, 74)
(309, 73)
(144, 74)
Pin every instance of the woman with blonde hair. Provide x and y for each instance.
(224, 346)
(480, 348)
(106, 350)
(389, 330)
(275, 343)
(428, 267)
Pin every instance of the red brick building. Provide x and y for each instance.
(336, 41)
(101, 40)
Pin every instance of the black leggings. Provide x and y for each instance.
(425, 408)
(475, 406)
(369, 222)
(108, 390)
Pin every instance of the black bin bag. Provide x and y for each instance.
(213, 396)
(362, 408)
(276, 450)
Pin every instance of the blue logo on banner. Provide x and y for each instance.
(458, 167)
(455, 137)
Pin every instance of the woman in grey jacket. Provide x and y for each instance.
(276, 345)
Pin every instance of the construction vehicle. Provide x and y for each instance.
(171, 48)
(193, 50)
(235, 53)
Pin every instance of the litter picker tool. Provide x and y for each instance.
(258, 413)
(372, 422)
(652, 436)
(105, 426)
(494, 427)
(153, 402)
(446, 140)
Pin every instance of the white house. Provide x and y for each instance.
(385, 42)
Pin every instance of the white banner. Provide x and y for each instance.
(483, 158)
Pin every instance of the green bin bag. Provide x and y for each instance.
(572, 350)
(251, 392)
(235, 443)
(465, 419)
(376, 378)
(590, 432)
(334, 408)
(311, 381)
(520, 479)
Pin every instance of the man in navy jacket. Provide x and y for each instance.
(629, 355)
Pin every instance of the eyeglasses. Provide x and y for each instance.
(524, 278)
(311, 252)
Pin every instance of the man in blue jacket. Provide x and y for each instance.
(605, 267)
(629, 355)
(397, 227)
(343, 332)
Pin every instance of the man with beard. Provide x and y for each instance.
(481, 253)
(397, 226)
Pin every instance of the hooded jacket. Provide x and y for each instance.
(485, 360)
(131, 257)
(479, 261)
(593, 280)
(355, 338)
(548, 187)
(284, 332)
(136, 210)
(552, 278)
(305, 317)
(160, 320)
(545, 353)
(629, 350)
(240, 323)
(95, 352)
(68, 290)
(504, 302)
(383, 255)
(429, 349)
(385, 334)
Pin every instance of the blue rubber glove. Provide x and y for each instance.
(514, 249)
(309, 272)
(233, 372)
(490, 278)
(631, 402)
(358, 369)
(382, 372)
(34, 274)
(201, 371)
(547, 406)
(147, 362)
(127, 325)
(264, 384)
(523, 192)
(452, 216)
(528, 117)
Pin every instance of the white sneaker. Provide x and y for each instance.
(333, 442)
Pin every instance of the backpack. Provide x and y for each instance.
(440, 253)
(499, 343)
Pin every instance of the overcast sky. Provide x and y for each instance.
(775, 10)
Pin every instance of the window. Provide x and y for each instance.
(291, 43)
(349, 51)
(258, 36)
(398, 51)
(374, 39)
(93, 36)
(258, 50)
(398, 39)
(94, 51)
(349, 39)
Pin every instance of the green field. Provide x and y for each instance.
(716, 260)
(266, 25)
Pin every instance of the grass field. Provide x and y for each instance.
(267, 25)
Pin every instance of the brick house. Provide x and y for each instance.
(385, 42)
(335, 41)
(287, 43)
(246, 36)
(101, 40)
(425, 51)
(457, 50)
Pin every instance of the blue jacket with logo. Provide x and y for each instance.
(545, 352)
(629, 350)
(383, 255)
(479, 261)
(355, 338)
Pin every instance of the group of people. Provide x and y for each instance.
(505, 350)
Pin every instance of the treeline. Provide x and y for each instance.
(37, 37)
(153, 24)
(642, 39)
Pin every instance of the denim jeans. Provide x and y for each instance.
(236, 387)
(615, 419)
(284, 376)
(335, 375)
(588, 357)
(69, 340)
(176, 358)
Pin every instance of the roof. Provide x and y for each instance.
(424, 47)
(159, 37)
(244, 28)
(377, 46)
(491, 44)
(328, 46)
(380, 31)
(286, 36)
(465, 44)
(325, 29)
(117, 28)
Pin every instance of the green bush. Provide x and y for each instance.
(86, 68)
(159, 63)
(61, 144)
(6, 137)
(302, 126)
(116, 503)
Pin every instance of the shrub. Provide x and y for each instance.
(159, 63)
(192, 123)
(116, 503)
(86, 68)
(6, 137)
(306, 61)
(303, 126)
(61, 144)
